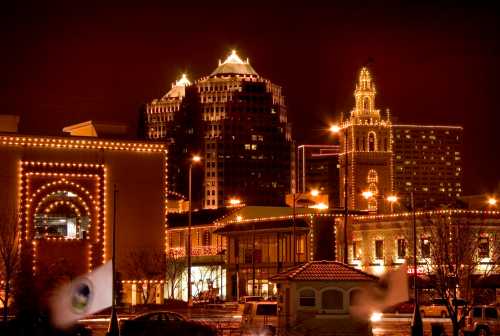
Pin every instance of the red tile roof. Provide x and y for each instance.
(324, 271)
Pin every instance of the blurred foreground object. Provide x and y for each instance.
(84, 296)
(390, 290)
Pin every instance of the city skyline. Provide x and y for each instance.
(73, 65)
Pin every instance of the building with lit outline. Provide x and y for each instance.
(368, 150)
(63, 188)
(243, 134)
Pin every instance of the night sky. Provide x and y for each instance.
(434, 64)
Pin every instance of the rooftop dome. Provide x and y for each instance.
(234, 65)
(178, 89)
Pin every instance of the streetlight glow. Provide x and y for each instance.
(367, 194)
(392, 198)
(314, 192)
(320, 206)
(335, 128)
(492, 201)
(196, 158)
(234, 201)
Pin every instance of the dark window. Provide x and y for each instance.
(236, 247)
(267, 309)
(371, 142)
(332, 299)
(401, 248)
(248, 256)
(365, 103)
(477, 312)
(307, 298)
(257, 255)
(425, 246)
(379, 249)
(355, 250)
(490, 313)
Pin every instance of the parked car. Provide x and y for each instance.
(482, 321)
(260, 318)
(250, 298)
(406, 307)
(164, 323)
(436, 308)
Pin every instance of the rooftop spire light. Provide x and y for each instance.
(234, 58)
(184, 81)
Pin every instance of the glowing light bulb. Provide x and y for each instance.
(367, 194)
(335, 128)
(392, 198)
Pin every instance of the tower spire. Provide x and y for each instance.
(364, 95)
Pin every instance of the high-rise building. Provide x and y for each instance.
(428, 161)
(237, 121)
(369, 150)
(318, 168)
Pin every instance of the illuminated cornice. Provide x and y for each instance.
(427, 213)
(79, 143)
(430, 126)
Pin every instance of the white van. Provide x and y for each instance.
(260, 318)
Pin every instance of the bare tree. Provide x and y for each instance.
(459, 253)
(208, 275)
(175, 267)
(149, 265)
(9, 255)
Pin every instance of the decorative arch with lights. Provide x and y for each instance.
(80, 188)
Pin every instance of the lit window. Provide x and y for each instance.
(401, 248)
(484, 247)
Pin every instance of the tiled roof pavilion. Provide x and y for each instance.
(324, 271)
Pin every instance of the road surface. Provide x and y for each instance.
(387, 326)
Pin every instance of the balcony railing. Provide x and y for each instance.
(196, 251)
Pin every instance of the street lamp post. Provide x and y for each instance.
(416, 322)
(336, 129)
(194, 159)
(114, 328)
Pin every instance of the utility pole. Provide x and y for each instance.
(346, 197)
(416, 322)
(114, 328)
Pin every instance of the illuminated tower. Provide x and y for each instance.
(247, 136)
(237, 121)
(369, 150)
